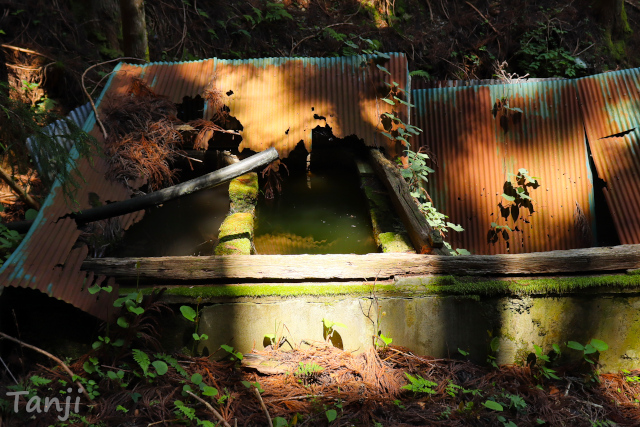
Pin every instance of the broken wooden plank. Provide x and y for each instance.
(422, 235)
(366, 267)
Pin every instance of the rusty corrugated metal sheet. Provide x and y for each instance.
(274, 98)
(280, 100)
(418, 83)
(610, 104)
(474, 155)
(48, 259)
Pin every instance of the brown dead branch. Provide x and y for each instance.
(50, 356)
(485, 18)
(86, 92)
(209, 407)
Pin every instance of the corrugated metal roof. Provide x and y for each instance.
(47, 259)
(474, 155)
(436, 84)
(611, 105)
(280, 100)
(60, 129)
(275, 99)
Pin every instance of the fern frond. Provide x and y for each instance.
(142, 359)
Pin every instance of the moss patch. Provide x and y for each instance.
(535, 286)
(234, 247)
(243, 192)
(395, 243)
(263, 290)
(235, 226)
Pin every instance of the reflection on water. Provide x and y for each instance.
(184, 226)
(325, 214)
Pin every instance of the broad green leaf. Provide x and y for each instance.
(188, 313)
(455, 227)
(136, 310)
(30, 214)
(388, 135)
(462, 352)
(493, 405)
(331, 415)
(386, 340)
(196, 379)
(122, 322)
(388, 101)
(280, 422)
(599, 345)
(381, 68)
(575, 345)
(463, 251)
(195, 336)
(508, 198)
(556, 348)
(210, 391)
(161, 367)
(382, 55)
(495, 344)
(589, 349)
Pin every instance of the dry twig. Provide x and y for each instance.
(485, 18)
(264, 408)
(50, 356)
(209, 407)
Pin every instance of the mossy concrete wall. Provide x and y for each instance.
(426, 321)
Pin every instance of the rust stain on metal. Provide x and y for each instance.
(611, 110)
(541, 131)
(279, 101)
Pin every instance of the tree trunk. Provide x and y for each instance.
(134, 29)
(613, 18)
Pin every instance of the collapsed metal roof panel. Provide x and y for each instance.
(279, 101)
(49, 258)
(611, 109)
(540, 129)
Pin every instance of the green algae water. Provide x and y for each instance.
(320, 213)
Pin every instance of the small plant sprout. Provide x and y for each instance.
(495, 346)
(590, 348)
(544, 370)
(234, 354)
(193, 316)
(330, 328)
(418, 385)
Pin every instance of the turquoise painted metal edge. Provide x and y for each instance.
(18, 256)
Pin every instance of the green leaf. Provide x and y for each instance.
(247, 384)
(599, 345)
(161, 367)
(210, 391)
(556, 348)
(508, 198)
(280, 422)
(455, 227)
(136, 310)
(122, 322)
(118, 343)
(94, 289)
(462, 352)
(382, 55)
(195, 336)
(388, 101)
(589, 349)
(575, 345)
(388, 135)
(381, 68)
(493, 405)
(331, 414)
(386, 340)
(495, 344)
(463, 251)
(30, 214)
(196, 379)
(188, 313)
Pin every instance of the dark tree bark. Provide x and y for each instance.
(613, 18)
(134, 29)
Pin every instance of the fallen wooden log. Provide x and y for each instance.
(212, 179)
(422, 235)
(366, 267)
